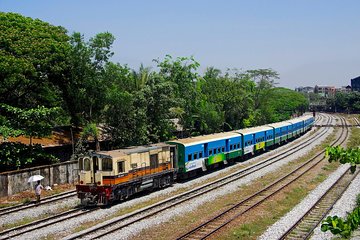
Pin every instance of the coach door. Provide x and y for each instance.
(173, 157)
(154, 163)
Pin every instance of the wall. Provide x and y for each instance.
(16, 181)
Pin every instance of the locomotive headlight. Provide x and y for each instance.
(81, 182)
(98, 183)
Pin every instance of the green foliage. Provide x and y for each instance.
(30, 122)
(344, 102)
(33, 59)
(18, 155)
(182, 73)
(41, 66)
(340, 226)
(283, 103)
(338, 154)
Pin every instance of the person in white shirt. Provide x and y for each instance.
(38, 188)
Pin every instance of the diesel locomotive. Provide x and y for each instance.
(106, 176)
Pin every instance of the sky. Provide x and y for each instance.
(308, 42)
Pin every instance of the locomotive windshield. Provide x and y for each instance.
(84, 164)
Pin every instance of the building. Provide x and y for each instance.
(325, 91)
(344, 89)
(355, 84)
(305, 89)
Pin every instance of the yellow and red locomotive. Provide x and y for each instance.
(116, 175)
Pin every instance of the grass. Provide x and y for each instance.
(354, 138)
(23, 221)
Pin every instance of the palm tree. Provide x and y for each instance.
(141, 76)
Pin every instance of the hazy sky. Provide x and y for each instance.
(307, 42)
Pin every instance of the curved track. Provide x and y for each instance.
(117, 224)
(211, 226)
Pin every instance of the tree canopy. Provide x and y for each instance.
(51, 78)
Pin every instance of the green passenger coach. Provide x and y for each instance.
(202, 152)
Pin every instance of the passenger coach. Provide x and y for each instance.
(202, 152)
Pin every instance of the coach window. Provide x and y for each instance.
(106, 164)
(219, 150)
(189, 157)
(210, 152)
(200, 154)
(195, 156)
(231, 147)
(223, 149)
(121, 167)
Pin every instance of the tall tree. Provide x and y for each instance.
(182, 72)
(85, 90)
(33, 59)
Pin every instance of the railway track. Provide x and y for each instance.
(304, 227)
(216, 223)
(42, 223)
(47, 200)
(124, 221)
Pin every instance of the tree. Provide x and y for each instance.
(182, 72)
(85, 89)
(33, 59)
(284, 103)
(91, 130)
(160, 97)
(34, 122)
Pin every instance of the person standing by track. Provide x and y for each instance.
(38, 188)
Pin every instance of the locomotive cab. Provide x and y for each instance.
(90, 189)
(93, 168)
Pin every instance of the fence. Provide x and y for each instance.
(16, 181)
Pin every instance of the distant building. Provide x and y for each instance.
(344, 89)
(325, 91)
(355, 84)
(304, 89)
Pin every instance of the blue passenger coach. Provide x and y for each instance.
(203, 151)
(297, 125)
(281, 131)
(255, 139)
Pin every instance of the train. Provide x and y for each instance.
(108, 176)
